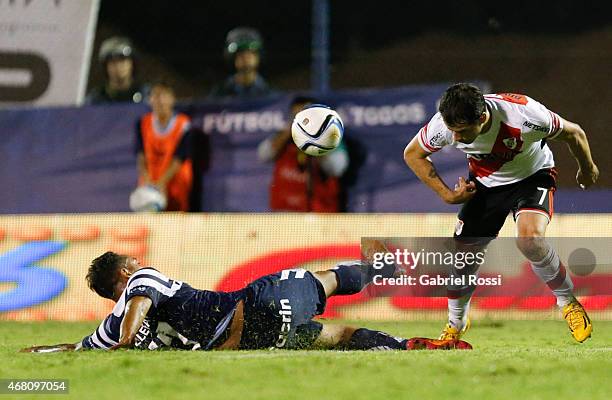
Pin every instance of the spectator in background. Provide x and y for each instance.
(163, 146)
(117, 58)
(243, 48)
(300, 182)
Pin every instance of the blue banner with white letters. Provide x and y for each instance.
(66, 160)
(379, 123)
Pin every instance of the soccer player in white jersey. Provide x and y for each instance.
(511, 169)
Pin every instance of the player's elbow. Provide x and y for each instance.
(408, 156)
(126, 342)
(412, 156)
(579, 129)
(580, 133)
(577, 132)
(127, 338)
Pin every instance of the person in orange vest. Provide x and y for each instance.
(300, 182)
(163, 144)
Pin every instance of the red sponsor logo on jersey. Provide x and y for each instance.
(507, 145)
(512, 98)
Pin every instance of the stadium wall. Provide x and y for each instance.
(44, 258)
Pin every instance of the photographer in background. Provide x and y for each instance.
(117, 58)
(300, 182)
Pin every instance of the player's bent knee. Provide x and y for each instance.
(531, 225)
(531, 231)
(328, 280)
(530, 234)
(533, 245)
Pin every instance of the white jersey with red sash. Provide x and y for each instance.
(512, 149)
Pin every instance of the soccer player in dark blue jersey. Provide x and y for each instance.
(274, 311)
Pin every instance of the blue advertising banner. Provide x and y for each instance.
(381, 121)
(66, 160)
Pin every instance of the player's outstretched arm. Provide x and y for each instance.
(418, 161)
(136, 311)
(575, 138)
(50, 349)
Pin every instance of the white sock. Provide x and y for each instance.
(458, 311)
(553, 273)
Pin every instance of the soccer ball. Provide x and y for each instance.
(147, 199)
(317, 130)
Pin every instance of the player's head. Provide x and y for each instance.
(162, 98)
(117, 57)
(464, 112)
(109, 273)
(243, 46)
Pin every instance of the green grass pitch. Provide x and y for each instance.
(511, 360)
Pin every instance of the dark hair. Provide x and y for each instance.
(461, 104)
(164, 83)
(102, 274)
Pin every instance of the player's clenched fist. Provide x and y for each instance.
(463, 192)
(588, 176)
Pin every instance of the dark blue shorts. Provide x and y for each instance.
(279, 308)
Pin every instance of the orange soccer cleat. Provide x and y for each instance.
(420, 343)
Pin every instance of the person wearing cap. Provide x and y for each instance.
(243, 48)
(117, 58)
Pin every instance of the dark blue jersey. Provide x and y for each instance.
(196, 315)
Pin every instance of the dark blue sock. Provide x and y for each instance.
(353, 277)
